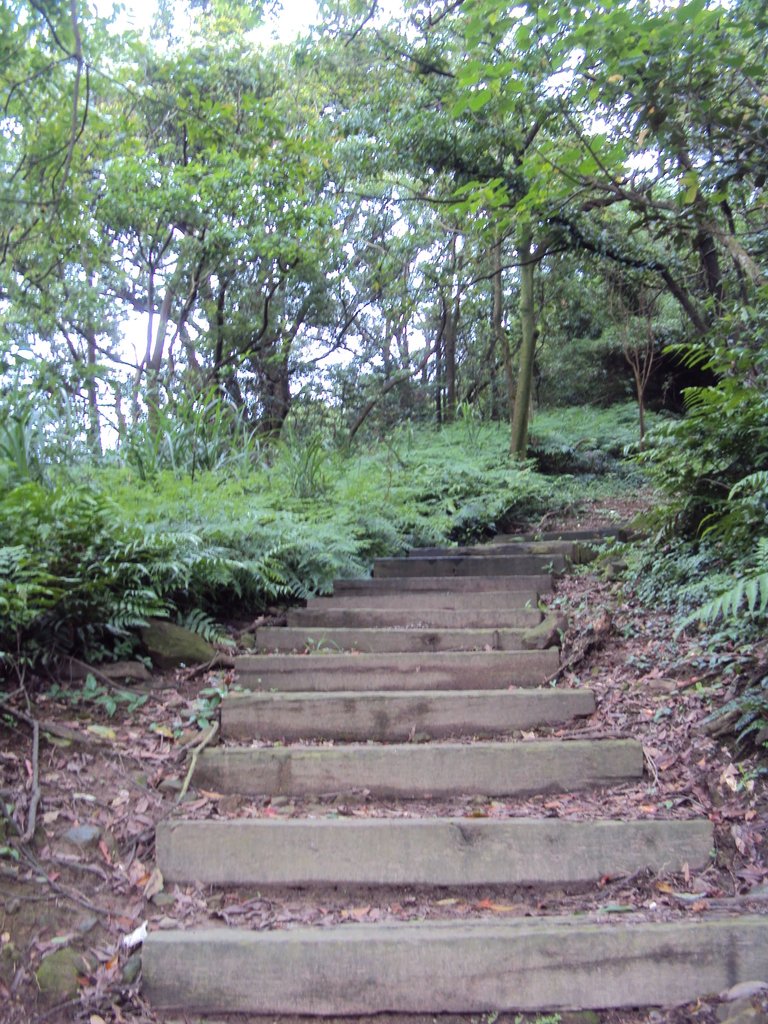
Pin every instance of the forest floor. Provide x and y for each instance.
(89, 792)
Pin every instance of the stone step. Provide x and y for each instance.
(443, 670)
(495, 548)
(418, 771)
(467, 565)
(574, 553)
(425, 851)
(540, 583)
(430, 599)
(386, 717)
(388, 641)
(415, 618)
(582, 536)
(525, 964)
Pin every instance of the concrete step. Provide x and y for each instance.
(539, 582)
(525, 964)
(442, 670)
(425, 851)
(574, 553)
(414, 771)
(468, 565)
(596, 536)
(386, 717)
(435, 599)
(495, 548)
(415, 618)
(386, 641)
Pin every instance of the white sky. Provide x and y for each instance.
(295, 17)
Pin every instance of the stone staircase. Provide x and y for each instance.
(437, 647)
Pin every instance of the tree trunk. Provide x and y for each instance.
(94, 419)
(518, 445)
(498, 333)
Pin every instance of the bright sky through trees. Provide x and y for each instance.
(294, 18)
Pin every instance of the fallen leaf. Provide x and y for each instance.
(162, 730)
(498, 908)
(154, 884)
(102, 731)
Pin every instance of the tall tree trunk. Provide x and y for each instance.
(155, 362)
(94, 420)
(449, 360)
(518, 445)
(499, 334)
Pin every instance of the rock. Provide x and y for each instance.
(547, 634)
(170, 645)
(614, 569)
(83, 836)
(744, 990)
(57, 976)
(135, 670)
(660, 685)
(163, 899)
(231, 804)
(10, 960)
(131, 968)
(741, 1011)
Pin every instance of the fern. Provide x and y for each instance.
(196, 621)
(748, 595)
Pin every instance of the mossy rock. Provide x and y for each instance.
(170, 646)
(57, 976)
(549, 633)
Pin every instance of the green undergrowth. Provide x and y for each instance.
(91, 552)
(588, 440)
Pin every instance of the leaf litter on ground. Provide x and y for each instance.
(121, 775)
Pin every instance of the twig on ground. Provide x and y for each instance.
(651, 766)
(193, 761)
(598, 633)
(62, 890)
(102, 677)
(217, 661)
(29, 831)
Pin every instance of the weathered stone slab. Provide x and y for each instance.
(466, 565)
(444, 670)
(424, 851)
(452, 967)
(414, 771)
(448, 599)
(539, 582)
(492, 550)
(580, 536)
(382, 641)
(391, 716)
(415, 618)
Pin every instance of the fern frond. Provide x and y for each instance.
(752, 484)
(751, 593)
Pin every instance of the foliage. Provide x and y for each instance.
(93, 695)
(747, 597)
(585, 439)
(75, 577)
(80, 572)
